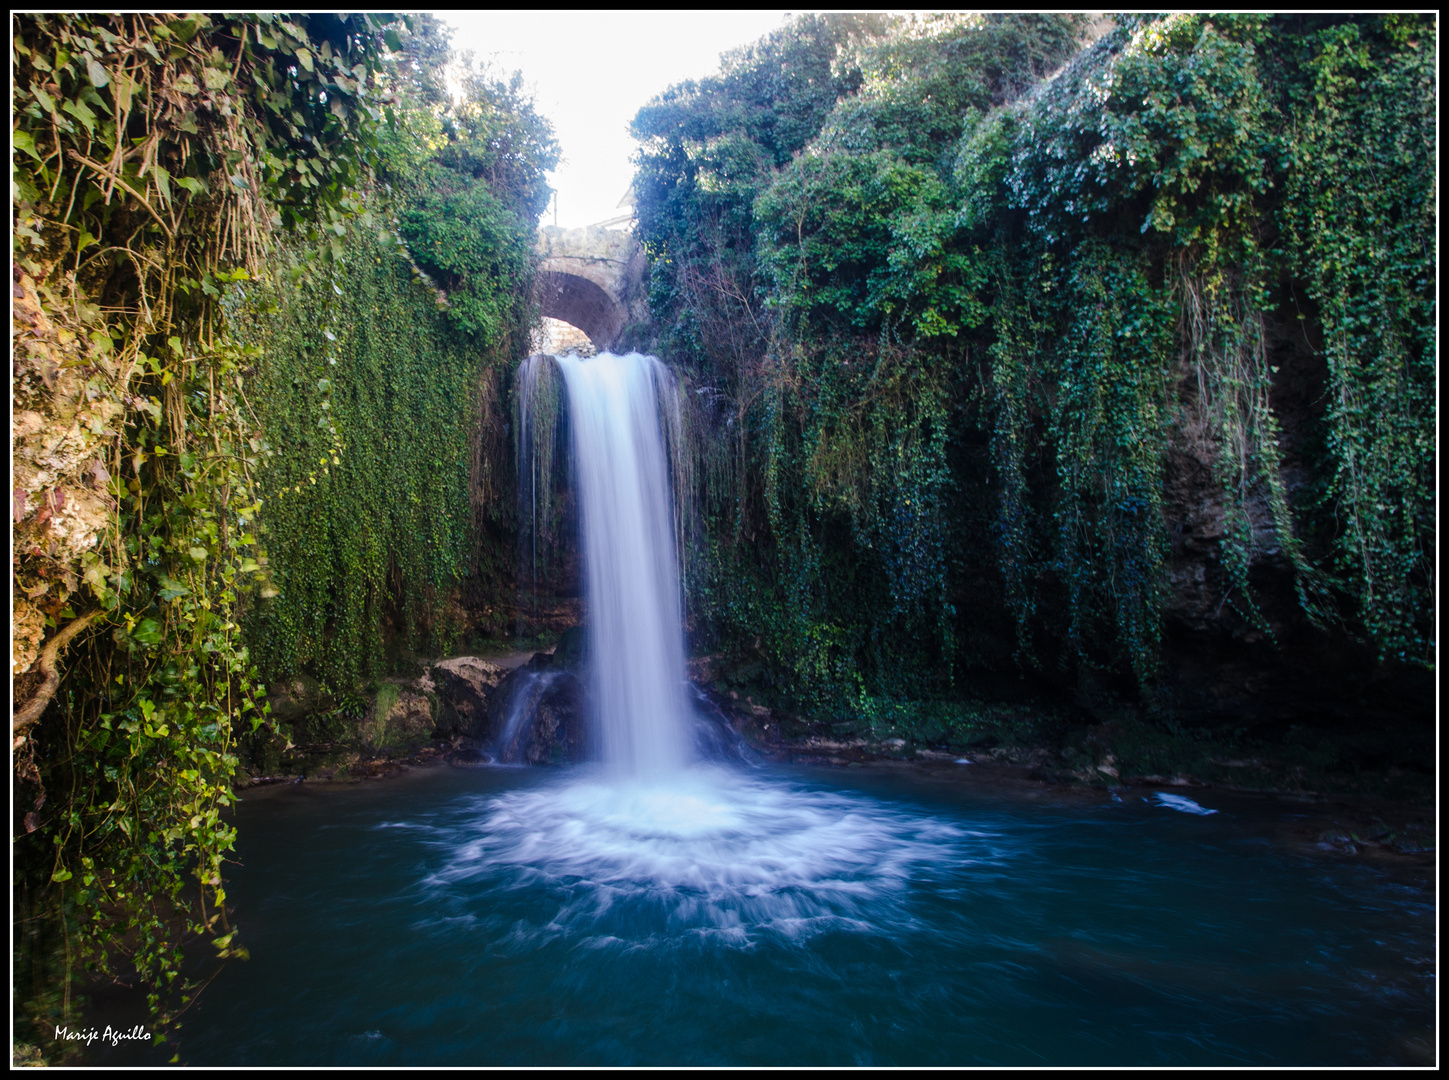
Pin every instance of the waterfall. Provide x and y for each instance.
(673, 839)
(631, 573)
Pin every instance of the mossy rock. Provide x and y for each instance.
(294, 697)
(400, 719)
(267, 754)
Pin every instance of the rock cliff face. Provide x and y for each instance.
(62, 442)
(1219, 666)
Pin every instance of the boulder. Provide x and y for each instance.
(400, 719)
(572, 649)
(703, 670)
(717, 736)
(480, 675)
(464, 685)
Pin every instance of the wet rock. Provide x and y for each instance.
(935, 755)
(375, 770)
(560, 731)
(512, 699)
(537, 717)
(1052, 772)
(1340, 842)
(716, 736)
(400, 719)
(703, 670)
(572, 649)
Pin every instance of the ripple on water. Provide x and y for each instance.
(709, 854)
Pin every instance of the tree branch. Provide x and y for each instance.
(46, 665)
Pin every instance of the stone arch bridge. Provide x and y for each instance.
(592, 278)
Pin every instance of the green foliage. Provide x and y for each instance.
(467, 236)
(379, 396)
(156, 152)
(289, 434)
(1358, 213)
(366, 397)
(1145, 155)
(302, 439)
(828, 537)
(707, 149)
(1183, 130)
(1108, 431)
(1164, 118)
(1080, 273)
(862, 223)
(467, 212)
(858, 240)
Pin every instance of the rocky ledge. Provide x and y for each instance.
(1383, 814)
(461, 711)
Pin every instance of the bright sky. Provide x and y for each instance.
(590, 71)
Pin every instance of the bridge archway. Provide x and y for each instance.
(581, 302)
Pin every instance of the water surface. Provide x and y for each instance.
(760, 916)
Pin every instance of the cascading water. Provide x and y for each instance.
(622, 472)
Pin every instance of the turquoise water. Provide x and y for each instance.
(760, 916)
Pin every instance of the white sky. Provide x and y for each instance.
(591, 71)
